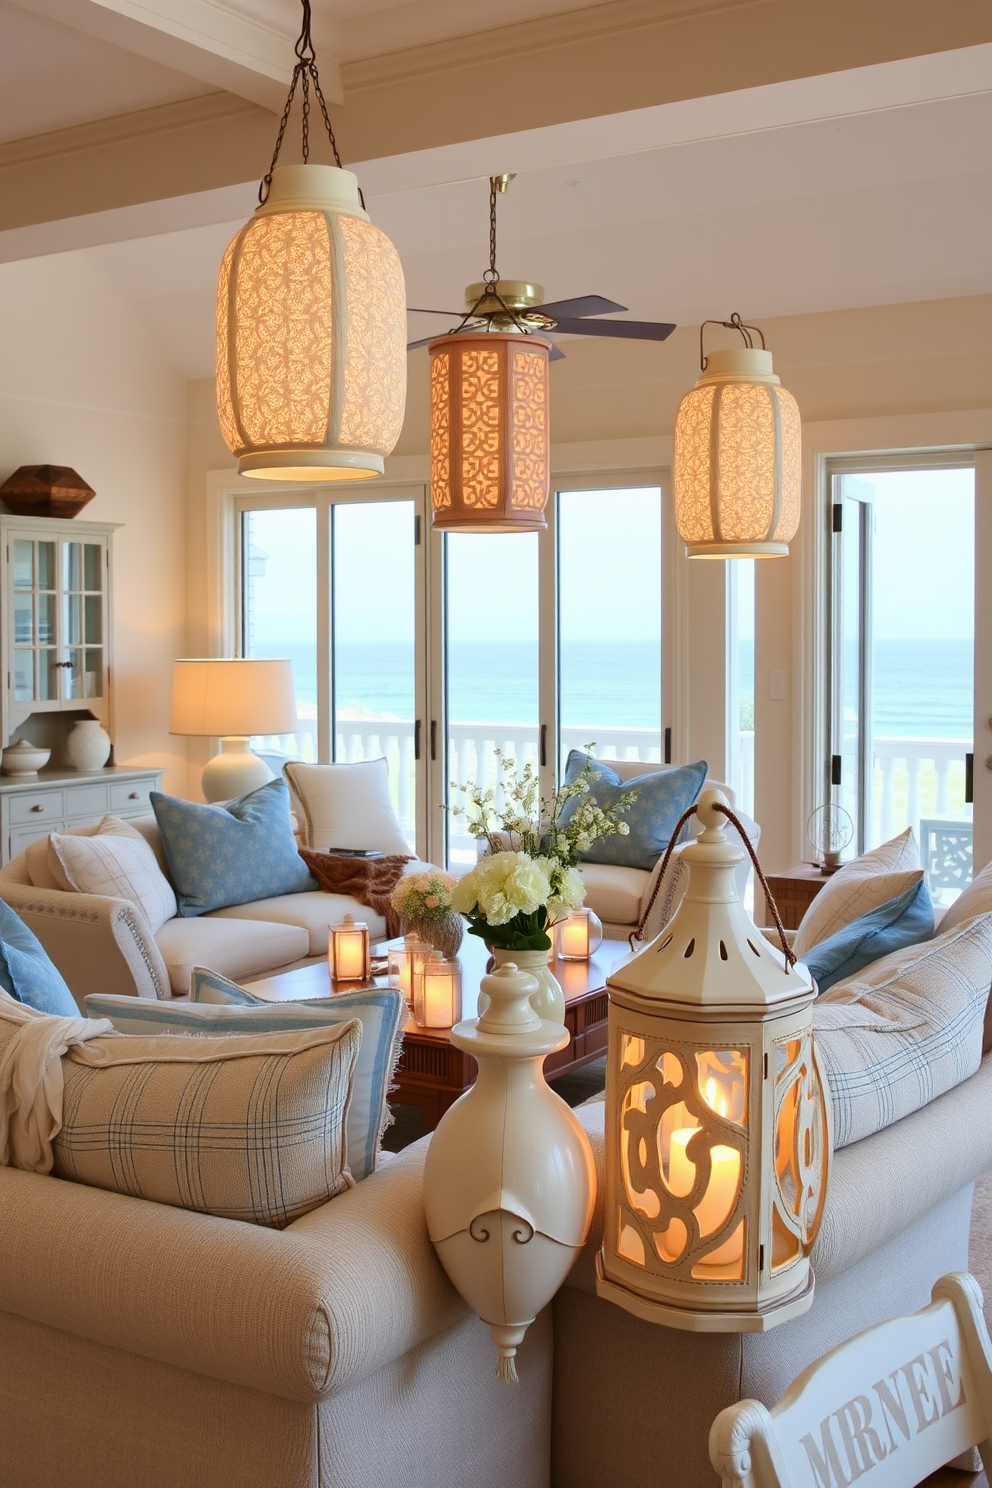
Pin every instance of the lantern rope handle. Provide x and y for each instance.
(790, 957)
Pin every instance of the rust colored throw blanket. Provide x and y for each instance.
(369, 880)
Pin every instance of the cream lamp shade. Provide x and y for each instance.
(737, 460)
(233, 699)
(490, 440)
(311, 334)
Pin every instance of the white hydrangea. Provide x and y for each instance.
(503, 885)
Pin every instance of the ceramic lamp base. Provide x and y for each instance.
(233, 772)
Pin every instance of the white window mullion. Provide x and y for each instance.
(325, 638)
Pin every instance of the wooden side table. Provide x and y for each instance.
(794, 891)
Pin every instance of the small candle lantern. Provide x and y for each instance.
(401, 961)
(717, 1129)
(579, 935)
(348, 951)
(437, 992)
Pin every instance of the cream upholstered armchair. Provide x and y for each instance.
(620, 896)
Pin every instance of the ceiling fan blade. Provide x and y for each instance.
(581, 305)
(415, 310)
(425, 341)
(555, 354)
(631, 330)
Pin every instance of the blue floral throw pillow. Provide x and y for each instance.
(231, 854)
(661, 797)
(26, 971)
(903, 921)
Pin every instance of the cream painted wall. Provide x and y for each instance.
(891, 361)
(83, 383)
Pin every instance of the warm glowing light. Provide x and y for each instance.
(490, 440)
(737, 471)
(437, 992)
(579, 935)
(311, 334)
(401, 962)
(348, 951)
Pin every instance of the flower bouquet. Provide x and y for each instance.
(424, 900)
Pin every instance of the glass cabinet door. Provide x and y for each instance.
(34, 601)
(83, 645)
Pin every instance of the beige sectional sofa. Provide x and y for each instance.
(106, 945)
(148, 1347)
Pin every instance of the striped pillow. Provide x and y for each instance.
(859, 887)
(904, 1030)
(249, 1128)
(218, 1007)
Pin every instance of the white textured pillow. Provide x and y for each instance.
(118, 862)
(346, 806)
(904, 1030)
(974, 900)
(859, 887)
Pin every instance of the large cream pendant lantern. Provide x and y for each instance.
(737, 469)
(311, 324)
(509, 1181)
(717, 1128)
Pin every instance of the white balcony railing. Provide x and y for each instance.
(914, 778)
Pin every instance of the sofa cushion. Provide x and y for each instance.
(346, 806)
(249, 1128)
(904, 1030)
(661, 798)
(220, 855)
(974, 900)
(218, 1007)
(115, 861)
(312, 912)
(26, 971)
(903, 921)
(614, 893)
(859, 887)
(234, 948)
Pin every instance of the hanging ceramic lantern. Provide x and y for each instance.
(737, 472)
(717, 1129)
(311, 321)
(509, 1182)
(490, 442)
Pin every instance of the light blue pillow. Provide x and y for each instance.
(903, 921)
(662, 796)
(231, 854)
(217, 1007)
(26, 971)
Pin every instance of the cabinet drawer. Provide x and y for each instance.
(131, 795)
(37, 806)
(22, 837)
(86, 803)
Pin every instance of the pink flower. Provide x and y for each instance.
(431, 901)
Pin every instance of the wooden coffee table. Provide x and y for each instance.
(432, 1073)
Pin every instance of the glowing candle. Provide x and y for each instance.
(579, 935)
(715, 1206)
(437, 992)
(348, 951)
(402, 961)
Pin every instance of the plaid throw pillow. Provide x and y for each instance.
(249, 1127)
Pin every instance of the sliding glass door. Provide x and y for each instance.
(901, 666)
(278, 563)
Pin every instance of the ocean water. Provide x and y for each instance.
(922, 688)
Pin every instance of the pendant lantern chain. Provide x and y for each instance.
(305, 77)
(491, 276)
(733, 324)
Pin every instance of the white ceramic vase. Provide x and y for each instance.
(549, 1000)
(509, 1181)
(89, 745)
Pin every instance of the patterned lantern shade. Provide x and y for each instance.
(737, 460)
(490, 446)
(717, 1125)
(311, 334)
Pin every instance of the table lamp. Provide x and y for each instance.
(233, 699)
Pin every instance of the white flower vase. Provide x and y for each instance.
(548, 1001)
(509, 1181)
(89, 745)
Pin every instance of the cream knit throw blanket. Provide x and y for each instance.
(31, 1083)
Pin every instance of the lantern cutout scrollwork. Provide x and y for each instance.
(717, 1130)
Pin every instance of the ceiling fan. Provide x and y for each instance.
(514, 305)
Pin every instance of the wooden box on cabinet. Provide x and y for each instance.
(794, 891)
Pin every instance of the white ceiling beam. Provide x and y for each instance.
(220, 44)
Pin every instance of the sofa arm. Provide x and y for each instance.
(98, 944)
(299, 1313)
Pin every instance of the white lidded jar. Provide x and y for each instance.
(509, 1182)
